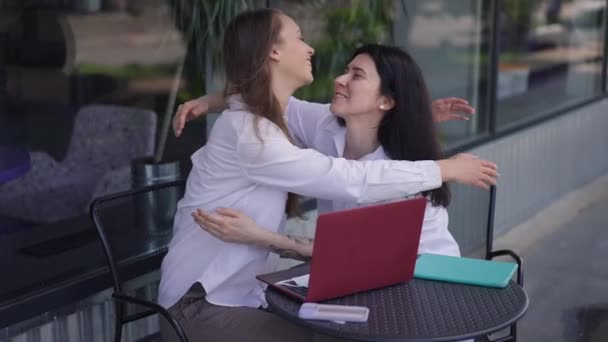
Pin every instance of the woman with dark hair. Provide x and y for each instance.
(383, 101)
(250, 164)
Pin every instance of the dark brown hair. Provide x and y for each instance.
(248, 41)
(407, 131)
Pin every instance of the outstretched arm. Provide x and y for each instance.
(449, 108)
(445, 109)
(303, 116)
(230, 225)
(281, 165)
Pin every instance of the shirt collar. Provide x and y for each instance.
(378, 154)
(339, 139)
(235, 102)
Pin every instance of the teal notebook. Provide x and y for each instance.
(464, 270)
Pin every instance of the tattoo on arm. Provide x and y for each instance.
(301, 240)
(290, 253)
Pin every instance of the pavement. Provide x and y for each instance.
(565, 252)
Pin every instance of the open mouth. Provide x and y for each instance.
(340, 95)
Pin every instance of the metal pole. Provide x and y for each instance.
(493, 66)
(605, 59)
(473, 126)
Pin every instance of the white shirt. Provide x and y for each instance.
(314, 126)
(237, 170)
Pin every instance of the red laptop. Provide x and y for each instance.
(357, 250)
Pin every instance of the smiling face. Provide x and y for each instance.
(292, 56)
(357, 91)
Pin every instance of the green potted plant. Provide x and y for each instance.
(361, 22)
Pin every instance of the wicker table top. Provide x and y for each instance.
(419, 310)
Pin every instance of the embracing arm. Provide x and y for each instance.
(304, 116)
(231, 225)
(192, 109)
(276, 162)
(290, 246)
(449, 109)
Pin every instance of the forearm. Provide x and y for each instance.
(448, 170)
(445, 170)
(309, 173)
(286, 246)
(217, 102)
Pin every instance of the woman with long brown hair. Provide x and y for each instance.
(250, 164)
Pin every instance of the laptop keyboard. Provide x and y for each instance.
(302, 291)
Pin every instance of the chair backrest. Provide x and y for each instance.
(472, 219)
(135, 228)
(105, 134)
(104, 139)
(108, 137)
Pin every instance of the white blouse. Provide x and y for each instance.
(314, 126)
(236, 169)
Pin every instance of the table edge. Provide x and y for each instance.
(331, 332)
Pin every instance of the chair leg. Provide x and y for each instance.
(512, 337)
(118, 321)
(514, 332)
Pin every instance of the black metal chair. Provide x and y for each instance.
(135, 228)
(472, 225)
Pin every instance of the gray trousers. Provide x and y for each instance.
(203, 321)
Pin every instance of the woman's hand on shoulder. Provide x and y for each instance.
(187, 111)
(230, 225)
(192, 109)
(450, 108)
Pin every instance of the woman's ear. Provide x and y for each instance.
(386, 103)
(275, 55)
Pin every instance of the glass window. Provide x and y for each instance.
(449, 40)
(88, 86)
(446, 38)
(550, 56)
(86, 89)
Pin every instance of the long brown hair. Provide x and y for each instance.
(248, 41)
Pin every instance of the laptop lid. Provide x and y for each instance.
(357, 250)
(365, 248)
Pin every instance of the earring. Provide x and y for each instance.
(381, 106)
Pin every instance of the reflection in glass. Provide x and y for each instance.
(87, 88)
(449, 40)
(550, 55)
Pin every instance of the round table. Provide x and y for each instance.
(419, 310)
(14, 162)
